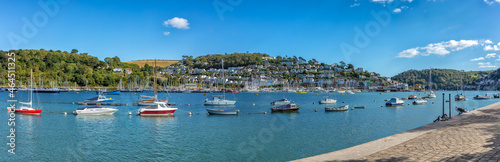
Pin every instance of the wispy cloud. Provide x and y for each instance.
(490, 55)
(176, 22)
(477, 59)
(490, 2)
(486, 65)
(166, 33)
(441, 48)
(355, 4)
(382, 1)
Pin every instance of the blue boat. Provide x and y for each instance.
(99, 99)
(110, 93)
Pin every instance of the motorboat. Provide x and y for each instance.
(94, 110)
(478, 97)
(460, 97)
(99, 99)
(412, 97)
(338, 108)
(419, 101)
(328, 100)
(349, 92)
(395, 102)
(160, 109)
(286, 108)
(283, 101)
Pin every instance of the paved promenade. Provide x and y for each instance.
(474, 136)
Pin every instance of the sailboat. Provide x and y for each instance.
(460, 97)
(161, 109)
(27, 107)
(328, 100)
(431, 93)
(151, 100)
(221, 100)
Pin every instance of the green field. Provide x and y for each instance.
(159, 63)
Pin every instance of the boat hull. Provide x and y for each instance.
(110, 93)
(99, 112)
(157, 112)
(32, 112)
(222, 112)
(292, 109)
(341, 108)
(220, 103)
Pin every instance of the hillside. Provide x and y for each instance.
(441, 78)
(159, 63)
(57, 67)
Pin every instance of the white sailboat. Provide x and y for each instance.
(431, 93)
(27, 107)
(221, 100)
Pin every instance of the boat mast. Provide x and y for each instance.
(154, 84)
(430, 80)
(223, 81)
(31, 93)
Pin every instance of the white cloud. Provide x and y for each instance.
(498, 44)
(382, 1)
(487, 41)
(490, 2)
(408, 1)
(441, 48)
(491, 48)
(436, 48)
(398, 10)
(355, 4)
(490, 55)
(176, 22)
(166, 33)
(409, 53)
(477, 59)
(459, 45)
(485, 65)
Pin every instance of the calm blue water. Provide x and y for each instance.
(252, 135)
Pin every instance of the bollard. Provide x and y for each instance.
(443, 104)
(449, 117)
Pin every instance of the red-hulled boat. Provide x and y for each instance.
(162, 109)
(27, 107)
(233, 91)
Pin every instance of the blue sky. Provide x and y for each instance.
(419, 34)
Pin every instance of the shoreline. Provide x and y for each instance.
(365, 149)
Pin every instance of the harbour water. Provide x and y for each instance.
(250, 136)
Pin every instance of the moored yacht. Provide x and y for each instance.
(94, 110)
(395, 102)
(161, 109)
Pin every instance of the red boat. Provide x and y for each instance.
(233, 91)
(162, 109)
(27, 107)
(30, 111)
